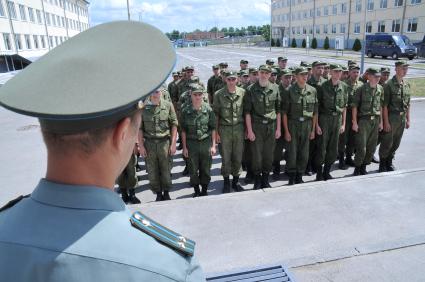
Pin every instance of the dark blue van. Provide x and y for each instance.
(390, 45)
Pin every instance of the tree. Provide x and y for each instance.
(278, 42)
(294, 43)
(175, 34)
(314, 43)
(326, 44)
(214, 29)
(304, 43)
(272, 42)
(357, 46)
(265, 31)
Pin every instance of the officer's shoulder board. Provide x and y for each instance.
(164, 235)
(13, 202)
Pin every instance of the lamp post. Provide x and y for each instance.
(364, 40)
(128, 9)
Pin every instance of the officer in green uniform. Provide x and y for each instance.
(284, 84)
(262, 107)
(157, 143)
(228, 109)
(346, 139)
(367, 121)
(127, 180)
(73, 226)
(396, 115)
(212, 81)
(198, 136)
(332, 97)
(299, 120)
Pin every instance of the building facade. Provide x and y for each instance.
(30, 28)
(346, 18)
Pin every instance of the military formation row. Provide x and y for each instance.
(308, 115)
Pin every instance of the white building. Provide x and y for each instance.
(30, 28)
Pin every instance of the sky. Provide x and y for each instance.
(183, 15)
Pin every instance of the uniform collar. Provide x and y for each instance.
(77, 196)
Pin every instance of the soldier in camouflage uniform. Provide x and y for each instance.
(243, 64)
(127, 181)
(332, 97)
(212, 82)
(262, 107)
(367, 120)
(173, 88)
(346, 139)
(299, 120)
(244, 79)
(157, 143)
(228, 109)
(396, 115)
(198, 136)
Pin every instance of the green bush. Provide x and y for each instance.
(294, 43)
(314, 43)
(272, 42)
(278, 43)
(326, 44)
(304, 43)
(357, 46)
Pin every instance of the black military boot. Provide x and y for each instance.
(389, 164)
(204, 191)
(257, 182)
(363, 170)
(197, 191)
(276, 170)
(248, 177)
(185, 171)
(265, 180)
(132, 197)
(327, 172)
(341, 164)
(299, 178)
(159, 197)
(356, 171)
(166, 196)
(319, 173)
(382, 165)
(349, 160)
(309, 170)
(291, 176)
(236, 185)
(124, 195)
(226, 185)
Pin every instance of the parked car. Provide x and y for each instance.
(390, 45)
(421, 47)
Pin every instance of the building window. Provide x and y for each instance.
(2, 14)
(381, 26)
(369, 27)
(343, 8)
(326, 10)
(18, 41)
(370, 5)
(305, 14)
(11, 8)
(51, 41)
(318, 29)
(27, 41)
(325, 29)
(383, 4)
(396, 26)
(43, 41)
(299, 15)
(333, 28)
(293, 30)
(31, 14)
(56, 40)
(358, 6)
(357, 28)
(47, 15)
(318, 12)
(53, 20)
(414, 2)
(304, 30)
(334, 9)
(310, 30)
(342, 28)
(7, 43)
(398, 3)
(38, 13)
(298, 30)
(412, 25)
(22, 12)
(35, 37)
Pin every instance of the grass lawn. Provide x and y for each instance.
(418, 87)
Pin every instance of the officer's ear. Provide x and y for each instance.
(125, 132)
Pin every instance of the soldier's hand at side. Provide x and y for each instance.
(217, 138)
(212, 150)
(277, 134)
(172, 149)
(407, 124)
(355, 127)
(380, 127)
(185, 152)
(288, 137)
(387, 127)
(312, 135)
(142, 150)
(318, 130)
(251, 136)
(342, 129)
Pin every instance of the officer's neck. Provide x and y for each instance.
(399, 78)
(231, 89)
(317, 77)
(335, 81)
(301, 85)
(263, 83)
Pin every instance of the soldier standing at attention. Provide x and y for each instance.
(244, 79)
(127, 180)
(157, 143)
(332, 97)
(273, 76)
(198, 136)
(76, 228)
(299, 122)
(326, 71)
(262, 107)
(396, 115)
(228, 109)
(367, 120)
(346, 139)
(212, 81)
(173, 88)
(243, 64)
(385, 75)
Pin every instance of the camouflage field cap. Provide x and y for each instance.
(269, 62)
(215, 67)
(351, 62)
(83, 83)
(197, 88)
(300, 70)
(190, 68)
(374, 71)
(223, 65)
(194, 79)
(401, 63)
(305, 64)
(253, 70)
(287, 72)
(244, 73)
(265, 68)
(244, 61)
(318, 63)
(231, 73)
(175, 74)
(282, 58)
(335, 67)
(353, 67)
(385, 70)
(274, 71)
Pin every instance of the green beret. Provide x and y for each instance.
(232, 73)
(282, 59)
(252, 70)
(244, 62)
(373, 71)
(300, 70)
(286, 72)
(335, 67)
(318, 63)
(197, 88)
(353, 67)
(385, 70)
(215, 67)
(401, 63)
(82, 84)
(244, 73)
(265, 68)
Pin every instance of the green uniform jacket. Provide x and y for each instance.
(313, 82)
(174, 91)
(300, 103)
(211, 84)
(367, 103)
(262, 102)
(198, 125)
(157, 120)
(351, 89)
(396, 96)
(229, 107)
(332, 99)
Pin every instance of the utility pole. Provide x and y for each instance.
(271, 22)
(128, 9)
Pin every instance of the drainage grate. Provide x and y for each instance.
(271, 274)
